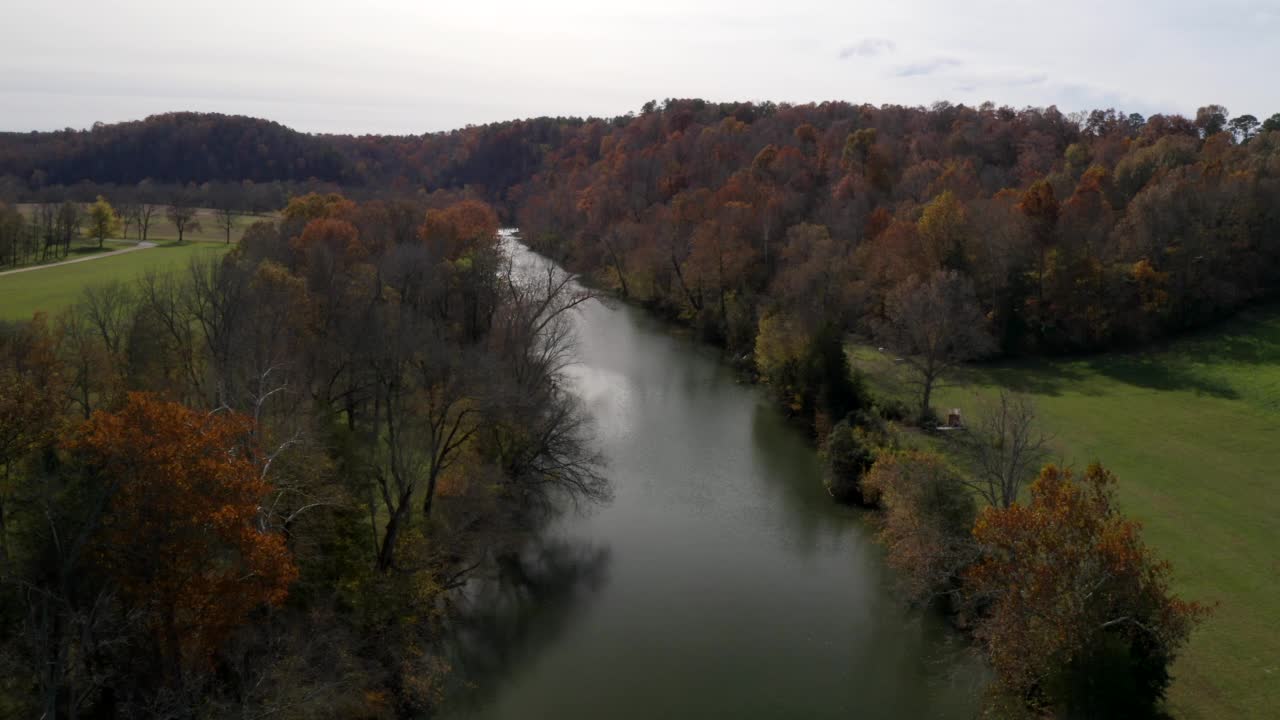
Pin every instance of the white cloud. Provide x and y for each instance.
(926, 67)
(868, 47)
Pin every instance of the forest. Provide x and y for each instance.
(1077, 232)
(247, 488)
(364, 402)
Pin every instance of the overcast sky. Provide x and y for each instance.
(412, 66)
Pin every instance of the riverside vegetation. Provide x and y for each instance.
(946, 234)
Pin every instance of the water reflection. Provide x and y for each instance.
(720, 582)
(506, 618)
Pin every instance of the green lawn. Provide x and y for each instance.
(1192, 430)
(53, 288)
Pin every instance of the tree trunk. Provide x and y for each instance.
(432, 477)
(928, 395)
(387, 554)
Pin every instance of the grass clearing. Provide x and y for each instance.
(161, 230)
(53, 288)
(209, 231)
(1192, 431)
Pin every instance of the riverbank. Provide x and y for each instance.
(720, 581)
(1143, 416)
(1189, 428)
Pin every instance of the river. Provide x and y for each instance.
(721, 581)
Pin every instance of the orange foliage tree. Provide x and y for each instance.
(181, 535)
(1081, 613)
(458, 229)
(928, 518)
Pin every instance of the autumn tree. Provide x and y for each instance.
(1211, 120)
(944, 229)
(1080, 613)
(1040, 207)
(848, 452)
(934, 325)
(103, 220)
(181, 536)
(928, 515)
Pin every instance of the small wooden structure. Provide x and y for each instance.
(954, 422)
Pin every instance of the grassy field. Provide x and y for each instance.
(1192, 430)
(161, 229)
(53, 288)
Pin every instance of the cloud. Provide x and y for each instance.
(928, 67)
(1026, 80)
(868, 47)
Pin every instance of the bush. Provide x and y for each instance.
(848, 455)
(850, 450)
(1080, 615)
(928, 514)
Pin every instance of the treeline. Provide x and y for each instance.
(242, 196)
(258, 165)
(1076, 233)
(45, 231)
(245, 490)
(173, 148)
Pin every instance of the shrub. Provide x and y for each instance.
(928, 515)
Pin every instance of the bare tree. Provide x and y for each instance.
(146, 211)
(542, 435)
(1003, 446)
(225, 218)
(182, 213)
(934, 324)
(428, 409)
(70, 217)
(128, 216)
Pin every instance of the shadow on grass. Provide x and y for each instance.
(1161, 372)
(1183, 364)
(1033, 376)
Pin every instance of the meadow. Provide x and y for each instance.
(209, 231)
(161, 229)
(1192, 430)
(50, 289)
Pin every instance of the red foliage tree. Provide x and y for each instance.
(181, 536)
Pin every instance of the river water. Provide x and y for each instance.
(721, 581)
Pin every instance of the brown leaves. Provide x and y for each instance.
(181, 536)
(927, 519)
(1066, 574)
(460, 228)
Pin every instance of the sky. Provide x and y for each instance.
(409, 67)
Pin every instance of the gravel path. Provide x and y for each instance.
(87, 258)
